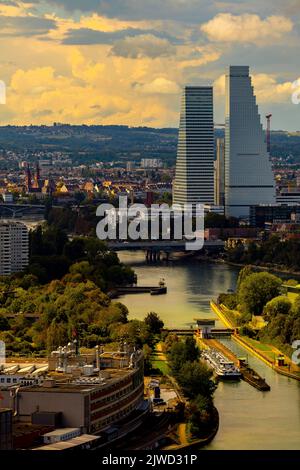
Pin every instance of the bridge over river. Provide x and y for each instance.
(153, 248)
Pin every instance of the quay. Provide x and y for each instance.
(272, 357)
(154, 290)
(248, 374)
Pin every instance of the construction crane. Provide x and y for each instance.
(268, 117)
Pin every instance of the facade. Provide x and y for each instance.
(220, 173)
(273, 213)
(14, 247)
(249, 179)
(288, 197)
(6, 429)
(8, 197)
(89, 392)
(194, 179)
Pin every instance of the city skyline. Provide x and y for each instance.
(125, 62)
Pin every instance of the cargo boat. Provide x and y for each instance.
(252, 378)
(224, 369)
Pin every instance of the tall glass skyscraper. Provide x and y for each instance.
(249, 179)
(194, 179)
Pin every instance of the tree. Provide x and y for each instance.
(243, 274)
(4, 324)
(154, 323)
(200, 411)
(182, 352)
(256, 290)
(57, 335)
(280, 305)
(196, 378)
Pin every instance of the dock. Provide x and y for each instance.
(248, 374)
(287, 368)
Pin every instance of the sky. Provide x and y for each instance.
(126, 61)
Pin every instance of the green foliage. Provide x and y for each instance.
(229, 300)
(243, 274)
(256, 290)
(283, 323)
(182, 352)
(154, 323)
(280, 305)
(64, 309)
(195, 378)
(53, 256)
(201, 415)
(134, 332)
(285, 254)
(291, 282)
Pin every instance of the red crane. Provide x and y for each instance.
(268, 117)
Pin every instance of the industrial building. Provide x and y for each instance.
(90, 393)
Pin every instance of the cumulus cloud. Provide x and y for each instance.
(267, 88)
(246, 28)
(159, 85)
(145, 45)
(90, 91)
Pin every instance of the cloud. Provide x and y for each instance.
(145, 45)
(85, 36)
(246, 28)
(182, 10)
(266, 88)
(197, 56)
(159, 85)
(24, 26)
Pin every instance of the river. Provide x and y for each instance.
(249, 419)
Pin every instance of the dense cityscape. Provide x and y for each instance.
(143, 337)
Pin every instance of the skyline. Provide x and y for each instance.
(125, 62)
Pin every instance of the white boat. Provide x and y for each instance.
(223, 368)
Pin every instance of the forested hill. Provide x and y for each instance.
(106, 143)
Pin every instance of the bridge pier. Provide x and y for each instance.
(152, 256)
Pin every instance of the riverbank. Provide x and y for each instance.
(265, 352)
(271, 268)
(182, 435)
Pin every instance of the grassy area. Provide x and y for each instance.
(264, 348)
(159, 363)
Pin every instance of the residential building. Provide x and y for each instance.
(14, 247)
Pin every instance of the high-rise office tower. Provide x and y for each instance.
(14, 247)
(220, 173)
(194, 179)
(249, 179)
